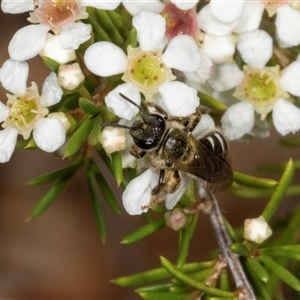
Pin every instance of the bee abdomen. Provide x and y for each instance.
(215, 142)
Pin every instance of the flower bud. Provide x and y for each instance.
(70, 76)
(113, 139)
(257, 230)
(175, 219)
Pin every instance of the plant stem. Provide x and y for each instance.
(224, 241)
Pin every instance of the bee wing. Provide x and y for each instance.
(211, 162)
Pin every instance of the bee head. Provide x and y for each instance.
(147, 132)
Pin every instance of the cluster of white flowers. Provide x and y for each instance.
(218, 50)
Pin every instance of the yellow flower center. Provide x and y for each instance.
(24, 111)
(261, 88)
(146, 70)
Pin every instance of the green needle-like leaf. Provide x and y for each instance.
(187, 234)
(50, 177)
(99, 33)
(105, 189)
(258, 285)
(159, 274)
(94, 134)
(239, 249)
(288, 251)
(280, 191)
(116, 159)
(278, 167)
(211, 102)
(88, 106)
(291, 142)
(51, 64)
(143, 231)
(281, 272)
(79, 137)
(252, 193)
(163, 296)
(106, 23)
(50, 196)
(98, 213)
(258, 269)
(252, 181)
(192, 282)
(224, 281)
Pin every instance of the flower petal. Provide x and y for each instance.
(107, 5)
(206, 124)
(286, 117)
(133, 7)
(49, 134)
(255, 48)
(211, 25)
(226, 11)
(185, 4)
(51, 91)
(172, 199)
(182, 54)
(178, 99)
(3, 112)
(288, 24)
(204, 72)
(138, 192)
(74, 34)
(16, 7)
(251, 17)
(219, 48)
(119, 105)
(54, 50)
(8, 139)
(150, 28)
(105, 59)
(28, 42)
(238, 120)
(226, 76)
(290, 78)
(13, 76)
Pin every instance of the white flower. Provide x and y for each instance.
(26, 111)
(113, 139)
(146, 68)
(54, 50)
(224, 17)
(133, 7)
(61, 17)
(287, 21)
(70, 76)
(257, 230)
(137, 194)
(263, 89)
(221, 21)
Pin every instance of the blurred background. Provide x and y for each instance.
(60, 255)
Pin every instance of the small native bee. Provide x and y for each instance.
(171, 149)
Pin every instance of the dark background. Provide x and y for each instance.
(60, 255)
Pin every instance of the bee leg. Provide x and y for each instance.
(134, 151)
(189, 122)
(168, 183)
(194, 119)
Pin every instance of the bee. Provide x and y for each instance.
(171, 149)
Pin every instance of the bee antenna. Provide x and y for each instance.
(114, 125)
(136, 105)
